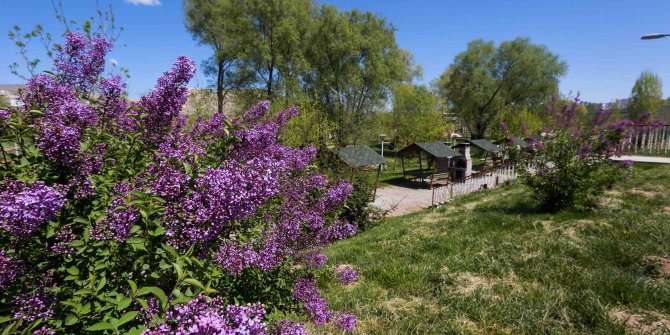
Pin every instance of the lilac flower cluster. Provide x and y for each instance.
(163, 103)
(120, 217)
(346, 274)
(287, 327)
(38, 306)
(63, 240)
(80, 61)
(204, 316)
(44, 331)
(308, 294)
(26, 206)
(9, 269)
(346, 321)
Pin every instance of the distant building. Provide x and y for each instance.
(12, 94)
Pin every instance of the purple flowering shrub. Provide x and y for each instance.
(119, 216)
(568, 163)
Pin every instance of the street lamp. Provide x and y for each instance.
(382, 137)
(653, 36)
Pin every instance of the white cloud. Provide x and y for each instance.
(144, 2)
(114, 62)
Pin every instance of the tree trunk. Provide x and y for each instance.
(219, 87)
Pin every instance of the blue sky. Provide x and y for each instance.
(600, 40)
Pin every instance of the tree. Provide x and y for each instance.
(483, 80)
(646, 95)
(416, 116)
(354, 61)
(211, 22)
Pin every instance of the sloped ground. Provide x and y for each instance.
(489, 263)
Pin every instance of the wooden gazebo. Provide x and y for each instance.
(441, 155)
(488, 148)
(363, 158)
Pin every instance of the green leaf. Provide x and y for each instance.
(133, 286)
(100, 326)
(123, 304)
(101, 283)
(73, 271)
(156, 291)
(194, 282)
(70, 320)
(127, 317)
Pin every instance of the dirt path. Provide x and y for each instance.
(644, 159)
(403, 200)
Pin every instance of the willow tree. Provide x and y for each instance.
(484, 80)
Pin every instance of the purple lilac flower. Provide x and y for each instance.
(223, 195)
(504, 126)
(204, 316)
(26, 206)
(38, 306)
(9, 269)
(64, 118)
(63, 240)
(288, 327)
(44, 331)
(305, 291)
(346, 322)
(163, 103)
(81, 60)
(313, 259)
(120, 217)
(346, 274)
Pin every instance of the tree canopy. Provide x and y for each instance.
(646, 95)
(485, 79)
(344, 61)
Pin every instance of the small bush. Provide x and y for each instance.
(568, 164)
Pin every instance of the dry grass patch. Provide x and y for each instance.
(647, 323)
(401, 305)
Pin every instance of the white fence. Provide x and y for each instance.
(486, 179)
(652, 142)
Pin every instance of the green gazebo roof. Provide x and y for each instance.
(435, 149)
(486, 145)
(360, 155)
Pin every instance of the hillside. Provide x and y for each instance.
(489, 263)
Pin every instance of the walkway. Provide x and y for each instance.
(402, 200)
(644, 159)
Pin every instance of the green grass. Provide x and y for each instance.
(490, 263)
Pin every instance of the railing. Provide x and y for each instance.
(655, 141)
(485, 179)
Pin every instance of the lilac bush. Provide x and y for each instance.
(569, 163)
(119, 216)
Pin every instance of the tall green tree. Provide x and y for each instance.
(354, 61)
(416, 114)
(646, 95)
(212, 22)
(485, 79)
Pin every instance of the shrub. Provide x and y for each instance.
(568, 164)
(119, 217)
(357, 207)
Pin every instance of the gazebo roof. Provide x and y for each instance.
(486, 145)
(358, 156)
(519, 141)
(435, 149)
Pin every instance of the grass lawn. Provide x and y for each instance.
(490, 263)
